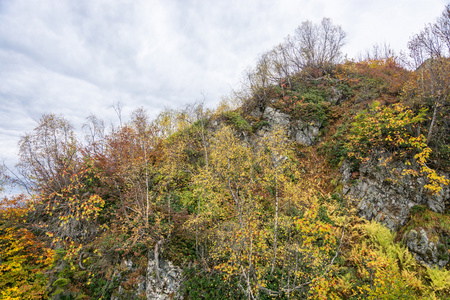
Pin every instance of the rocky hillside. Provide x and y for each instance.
(319, 179)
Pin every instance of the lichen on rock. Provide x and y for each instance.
(304, 133)
(149, 287)
(168, 285)
(382, 193)
(430, 253)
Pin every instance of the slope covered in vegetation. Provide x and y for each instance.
(266, 197)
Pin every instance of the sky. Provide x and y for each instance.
(78, 58)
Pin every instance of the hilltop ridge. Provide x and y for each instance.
(320, 178)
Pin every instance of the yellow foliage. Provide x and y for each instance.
(24, 259)
(388, 129)
(247, 185)
(439, 280)
(413, 280)
(344, 285)
(384, 269)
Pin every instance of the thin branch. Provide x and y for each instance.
(289, 290)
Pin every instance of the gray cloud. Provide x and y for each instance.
(78, 57)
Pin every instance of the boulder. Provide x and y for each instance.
(382, 194)
(276, 118)
(426, 251)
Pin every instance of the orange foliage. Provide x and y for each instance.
(24, 259)
(385, 75)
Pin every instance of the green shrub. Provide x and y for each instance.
(237, 121)
(418, 209)
(200, 284)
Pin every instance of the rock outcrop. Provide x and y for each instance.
(385, 195)
(167, 287)
(169, 283)
(382, 194)
(426, 251)
(304, 133)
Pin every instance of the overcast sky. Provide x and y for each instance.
(78, 57)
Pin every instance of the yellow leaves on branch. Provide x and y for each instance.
(389, 129)
(23, 258)
(245, 249)
(249, 187)
(74, 202)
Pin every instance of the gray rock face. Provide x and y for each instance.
(167, 287)
(382, 194)
(424, 250)
(386, 197)
(337, 96)
(299, 131)
(275, 117)
(305, 133)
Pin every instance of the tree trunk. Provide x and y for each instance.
(275, 226)
(433, 120)
(156, 253)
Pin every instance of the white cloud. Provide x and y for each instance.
(78, 57)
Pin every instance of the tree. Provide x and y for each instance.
(24, 260)
(315, 47)
(258, 82)
(65, 202)
(314, 50)
(196, 115)
(273, 154)
(133, 152)
(170, 121)
(3, 178)
(379, 52)
(388, 130)
(430, 50)
(245, 209)
(94, 130)
(46, 153)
